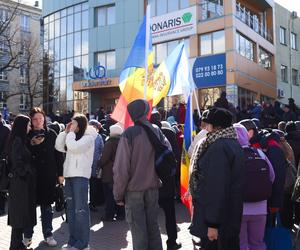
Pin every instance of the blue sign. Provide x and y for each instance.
(97, 72)
(210, 71)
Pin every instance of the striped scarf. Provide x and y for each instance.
(201, 147)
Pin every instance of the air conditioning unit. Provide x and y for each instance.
(22, 106)
(280, 93)
(294, 14)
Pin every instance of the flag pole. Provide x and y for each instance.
(147, 49)
(197, 103)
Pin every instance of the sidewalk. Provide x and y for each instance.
(104, 236)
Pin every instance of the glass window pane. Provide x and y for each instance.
(85, 42)
(85, 63)
(184, 4)
(63, 26)
(161, 52)
(85, 6)
(63, 68)
(56, 69)
(171, 46)
(100, 59)
(152, 7)
(69, 88)
(70, 45)
(56, 49)
(46, 20)
(51, 48)
(77, 68)
(77, 8)
(77, 21)
(187, 46)
(57, 28)
(111, 15)
(206, 48)
(51, 30)
(63, 44)
(63, 13)
(77, 43)
(101, 17)
(161, 7)
(111, 60)
(70, 66)
(219, 41)
(62, 89)
(46, 32)
(242, 46)
(70, 10)
(51, 18)
(85, 20)
(173, 5)
(56, 15)
(70, 24)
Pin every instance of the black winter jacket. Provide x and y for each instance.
(218, 201)
(48, 163)
(21, 201)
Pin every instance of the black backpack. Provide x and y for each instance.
(258, 186)
(165, 161)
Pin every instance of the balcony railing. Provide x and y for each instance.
(211, 9)
(253, 22)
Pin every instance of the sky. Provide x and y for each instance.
(292, 5)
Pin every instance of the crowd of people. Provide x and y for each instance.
(250, 182)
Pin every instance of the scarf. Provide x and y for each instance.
(200, 149)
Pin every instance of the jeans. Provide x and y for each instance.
(142, 216)
(78, 212)
(252, 232)
(46, 218)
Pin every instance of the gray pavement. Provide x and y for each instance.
(104, 235)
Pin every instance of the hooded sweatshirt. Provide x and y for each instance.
(253, 208)
(79, 154)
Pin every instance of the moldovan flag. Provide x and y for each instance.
(185, 160)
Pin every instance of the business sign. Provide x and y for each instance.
(98, 82)
(209, 71)
(174, 25)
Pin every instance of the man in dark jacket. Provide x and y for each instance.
(216, 184)
(293, 138)
(4, 134)
(289, 115)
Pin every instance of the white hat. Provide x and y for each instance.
(165, 124)
(115, 129)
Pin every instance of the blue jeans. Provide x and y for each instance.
(46, 218)
(78, 212)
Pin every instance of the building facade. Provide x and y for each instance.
(20, 58)
(287, 51)
(230, 44)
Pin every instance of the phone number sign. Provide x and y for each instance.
(210, 71)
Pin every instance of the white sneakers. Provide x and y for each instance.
(27, 242)
(51, 242)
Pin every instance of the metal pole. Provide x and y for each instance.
(147, 49)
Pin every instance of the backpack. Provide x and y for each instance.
(258, 186)
(165, 161)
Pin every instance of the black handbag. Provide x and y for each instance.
(59, 198)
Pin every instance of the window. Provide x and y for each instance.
(160, 7)
(22, 74)
(162, 50)
(293, 41)
(3, 98)
(212, 43)
(295, 76)
(211, 9)
(282, 37)
(3, 74)
(106, 59)
(23, 101)
(3, 46)
(244, 46)
(3, 15)
(284, 71)
(25, 23)
(265, 58)
(105, 15)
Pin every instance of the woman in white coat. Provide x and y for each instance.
(77, 141)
